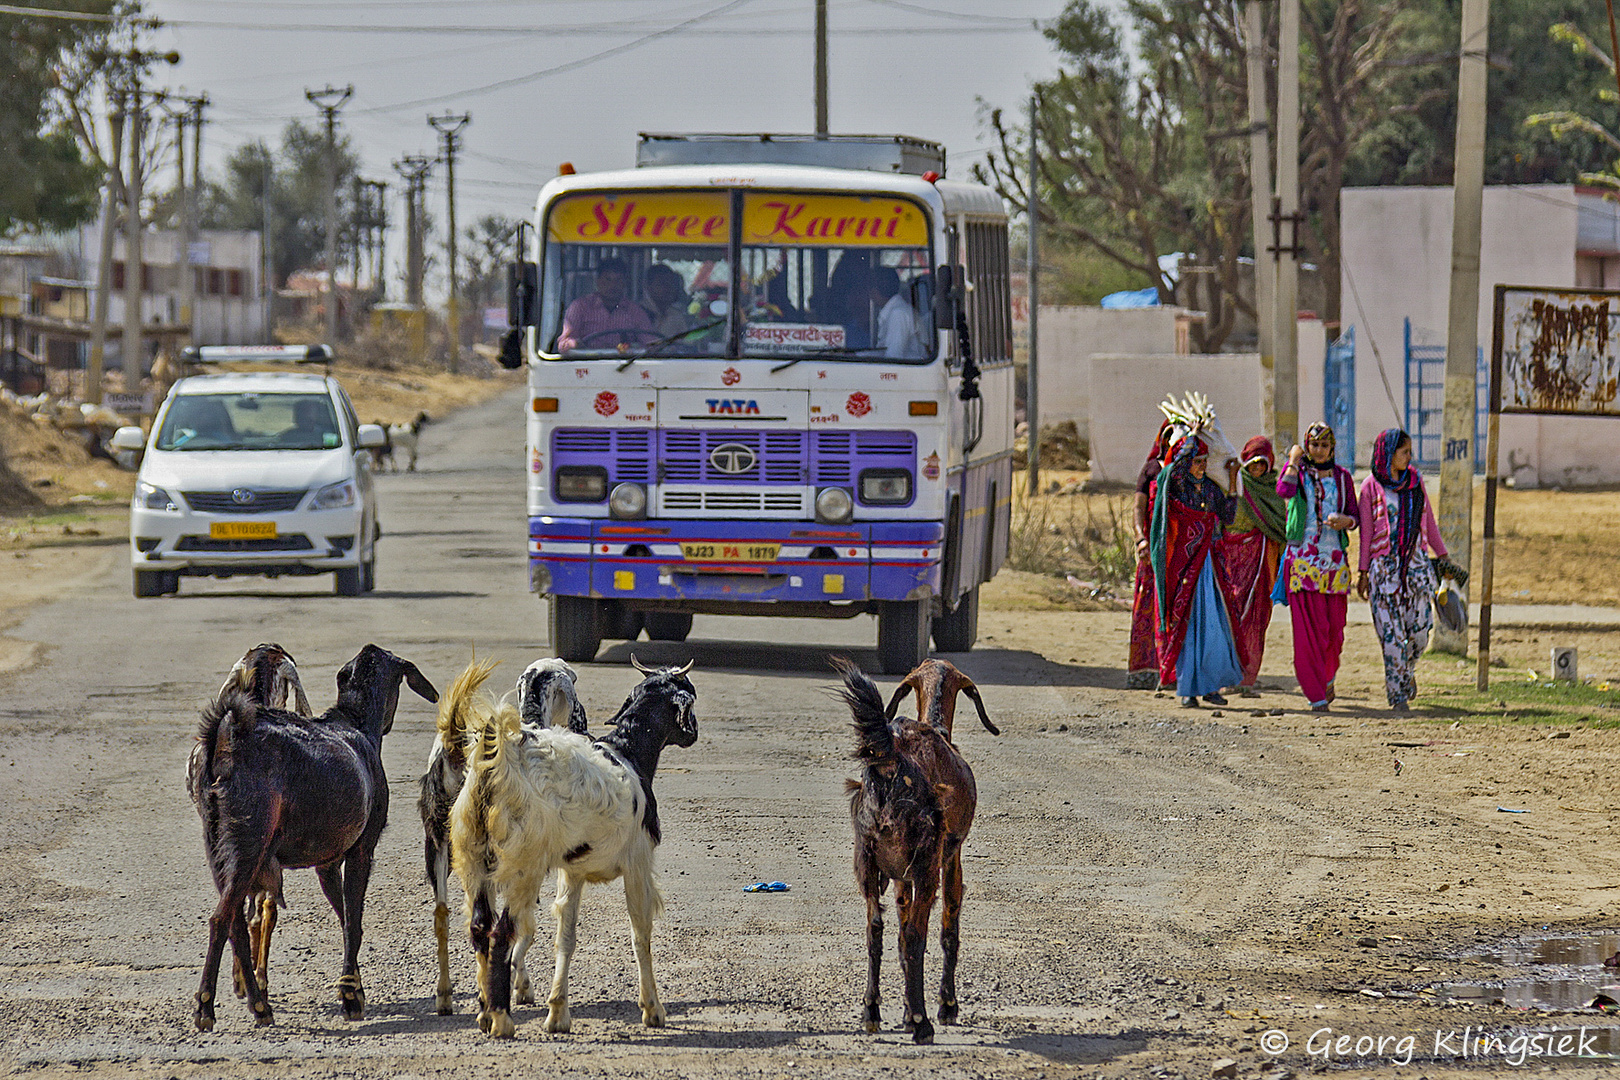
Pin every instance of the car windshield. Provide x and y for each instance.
(637, 273)
(250, 421)
(845, 275)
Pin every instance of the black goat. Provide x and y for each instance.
(282, 791)
(545, 692)
(535, 801)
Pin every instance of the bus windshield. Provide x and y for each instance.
(836, 276)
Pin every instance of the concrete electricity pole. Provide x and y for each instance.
(1456, 494)
(450, 126)
(1285, 231)
(188, 111)
(134, 257)
(414, 169)
(821, 67)
(329, 100)
(1032, 399)
(116, 117)
(1259, 202)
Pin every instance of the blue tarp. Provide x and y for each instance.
(1135, 298)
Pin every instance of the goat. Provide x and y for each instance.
(282, 791)
(545, 690)
(382, 453)
(404, 437)
(535, 801)
(268, 674)
(911, 811)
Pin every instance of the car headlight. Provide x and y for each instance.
(152, 497)
(335, 496)
(834, 505)
(628, 501)
(580, 483)
(885, 486)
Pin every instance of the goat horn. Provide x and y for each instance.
(900, 692)
(688, 667)
(639, 666)
(984, 718)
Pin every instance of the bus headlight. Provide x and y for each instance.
(834, 506)
(889, 487)
(628, 501)
(580, 483)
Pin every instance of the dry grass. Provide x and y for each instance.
(1554, 547)
(1084, 535)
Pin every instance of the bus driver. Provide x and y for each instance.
(589, 321)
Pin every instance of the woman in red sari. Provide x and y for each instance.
(1253, 546)
(1143, 673)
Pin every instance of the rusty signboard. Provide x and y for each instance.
(1559, 350)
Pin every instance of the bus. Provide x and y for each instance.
(769, 375)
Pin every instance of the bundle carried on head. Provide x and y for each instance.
(1195, 413)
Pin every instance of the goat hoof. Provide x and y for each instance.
(523, 994)
(559, 1022)
(872, 1027)
(204, 1023)
(501, 1026)
(354, 1004)
(948, 1012)
(655, 1016)
(483, 1021)
(441, 1003)
(264, 1018)
(923, 1033)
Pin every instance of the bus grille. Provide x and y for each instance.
(786, 502)
(626, 453)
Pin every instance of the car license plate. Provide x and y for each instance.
(730, 552)
(242, 530)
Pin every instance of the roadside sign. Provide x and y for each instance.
(129, 404)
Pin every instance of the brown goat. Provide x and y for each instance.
(911, 811)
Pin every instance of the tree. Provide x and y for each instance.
(1564, 123)
(489, 250)
(47, 183)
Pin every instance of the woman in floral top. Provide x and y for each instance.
(1316, 567)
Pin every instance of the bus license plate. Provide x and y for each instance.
(730, 552)
(242, 530)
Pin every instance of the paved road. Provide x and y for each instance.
(104, 903)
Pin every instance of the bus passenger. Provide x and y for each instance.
(897, 331)
(591, 321)
(666, 300)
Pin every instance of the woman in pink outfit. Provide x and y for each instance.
(1315, 579)
(1397, 579)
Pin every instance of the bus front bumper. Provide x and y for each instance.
(676, 560)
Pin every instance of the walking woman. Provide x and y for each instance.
(1316, 569)
(1396, 579)
(1196, 649)
(1143, 672)
(1253, 548)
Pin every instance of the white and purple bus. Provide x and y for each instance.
(770, 375)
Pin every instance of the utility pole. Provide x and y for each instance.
(329, 100)
(1285, 227)
(357, 224)
(266, 263)
(377, 208)
(109, 225)
(1259, 203)
(133, 255)
(450, 126)
(189, 111)
(821, 68)
(414, 169)
(1456, 493)
(1032, 398)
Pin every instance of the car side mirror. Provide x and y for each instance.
(371, 436)
(129, 438)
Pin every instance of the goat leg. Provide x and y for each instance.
(441, 933)
(641, 899)
(480, 924)
(569, 891)
(238, 977)
(872, 1017)
(500, 978)
(915, 909)
(950, 929)
(219, 929)
(356, 875)
(261, 948)
(258, 998)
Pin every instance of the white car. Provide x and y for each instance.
(264, 473)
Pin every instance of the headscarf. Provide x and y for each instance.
(1318, 430)
(1270, 509)
(1186, 448)
(1161, 444)
(1408, 490)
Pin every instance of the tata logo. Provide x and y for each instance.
(732, 458)
(241, 496)
(732, 407)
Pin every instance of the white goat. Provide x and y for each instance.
(535, 801)
(545, 693)
(405, 437)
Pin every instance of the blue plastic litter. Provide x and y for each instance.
(1505, 810)
(766, 886)
(1132, 298)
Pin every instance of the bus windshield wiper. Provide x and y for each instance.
(836, 351)
(670, 340)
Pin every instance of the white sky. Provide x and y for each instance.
(913, 67)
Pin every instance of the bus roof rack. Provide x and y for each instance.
(875, 153)
(258, 354)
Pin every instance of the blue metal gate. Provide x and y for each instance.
(1426, 401)
(1339, 395)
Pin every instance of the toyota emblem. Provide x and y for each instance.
(732, 458)
(242, 496)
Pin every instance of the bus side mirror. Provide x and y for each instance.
(945, 298)
(522, 285)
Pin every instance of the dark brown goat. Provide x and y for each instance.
(282, 791)
(268, 674)
(911, 810)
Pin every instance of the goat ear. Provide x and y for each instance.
(289, 675)
(418, 682)
(973, 695)
(900, 693)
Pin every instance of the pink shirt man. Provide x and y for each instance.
(608, 308)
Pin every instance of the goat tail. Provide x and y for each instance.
(464, 708)
(874, 738)
(225, 720)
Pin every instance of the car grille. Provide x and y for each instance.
(290, 542)
(263, 501)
